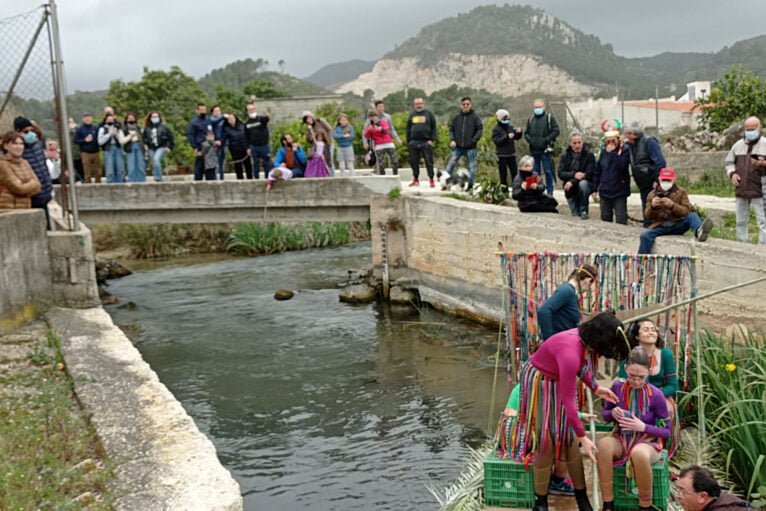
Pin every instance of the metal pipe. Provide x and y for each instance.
(63, 121)
(9, 93)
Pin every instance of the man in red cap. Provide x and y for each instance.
(669, 212)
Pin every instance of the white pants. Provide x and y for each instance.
(743, 218)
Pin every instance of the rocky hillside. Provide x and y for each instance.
(332, 75)
(505, 75)
(513, 50)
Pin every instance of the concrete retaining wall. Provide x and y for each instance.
(25, 266)
(298, 200)
(448, 252)
(694, 165)
(161, 460)
(73, 264)
(290, 109)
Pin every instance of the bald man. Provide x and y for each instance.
(746, 167)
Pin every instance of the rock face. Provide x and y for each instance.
(361, 293)
(401, 296)
(283, 294)
(507, 75)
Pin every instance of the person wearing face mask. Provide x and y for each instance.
(196, 134)
(132, 143)
(504, 136)
(34, 154)
(217, 121)
(421, 135)
(541, 133)
(108, 139)
(86, 137)
(669, 212)
(746, 167)
(159, 141)
(529, 191)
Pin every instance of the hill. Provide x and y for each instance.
(334, 74)
(536, 52)
(239, 73)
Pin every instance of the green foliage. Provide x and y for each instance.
(490, 192)
(395, 193)
(261, 88)
(727, 228)
(713, 182)
(734, 97)
(734, 392)
(230, 100)
(260, 239)
(44, 435)
(234, 75)
(173, 93)
(340, 72)
(147, 241)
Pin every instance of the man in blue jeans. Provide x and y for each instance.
(670, 212)
(541, 133)
(464, 133)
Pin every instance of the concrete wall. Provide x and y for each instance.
(693, 165)
(449, 254)
(160, 459)
(290, 109)
(299, 200)
(25, 266)
(73, 264)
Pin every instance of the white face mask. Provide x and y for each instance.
(666, 185)
(252, 115)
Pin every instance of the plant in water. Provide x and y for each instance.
(465, 493)
(734, 393)
(256, 239)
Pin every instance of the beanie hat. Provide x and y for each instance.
(502, 114)
(667, 174)
(20, 123)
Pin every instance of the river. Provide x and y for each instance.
(312, 403)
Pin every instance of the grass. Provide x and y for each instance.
(260, 239)
(45, 438)
(149, 241)
(734, 393)
(727, 230)
(712, 182)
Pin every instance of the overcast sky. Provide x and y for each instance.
(108, 39)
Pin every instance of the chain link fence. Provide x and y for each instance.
(29, 84)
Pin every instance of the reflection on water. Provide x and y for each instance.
(311, 403)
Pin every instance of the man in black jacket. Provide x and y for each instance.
(697, 490)
(464, 133)
(421, 134)
(576, 172)
(257, 135)
(541, 133)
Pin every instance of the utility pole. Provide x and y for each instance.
(657, 110)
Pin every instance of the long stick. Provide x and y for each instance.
(592, 424)
(694, 299)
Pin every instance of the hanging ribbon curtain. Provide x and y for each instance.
(624, 282)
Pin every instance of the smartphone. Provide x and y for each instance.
(628, 415)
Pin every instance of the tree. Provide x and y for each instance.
(230, 100)
(739, 94)
(172, 93)
(261, 88)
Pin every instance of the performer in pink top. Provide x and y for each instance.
(548, 428)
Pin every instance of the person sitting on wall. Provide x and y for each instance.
(529, 191)
(291, 156)
(670, 212)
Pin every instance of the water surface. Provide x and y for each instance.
(312, 403)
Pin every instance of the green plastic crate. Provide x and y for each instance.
(626, 491)
(507, 483)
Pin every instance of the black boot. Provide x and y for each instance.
(583, 504)
(608, 506)
(541, 503)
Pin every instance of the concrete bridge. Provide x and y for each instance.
(299, 200)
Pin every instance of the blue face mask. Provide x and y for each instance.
(30, 137)
(539, 111)
(155, 120)
(752, 134)
(505, 121)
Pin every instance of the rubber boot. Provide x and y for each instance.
(541, 503)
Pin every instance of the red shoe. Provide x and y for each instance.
(431, 183)
(415, 182)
